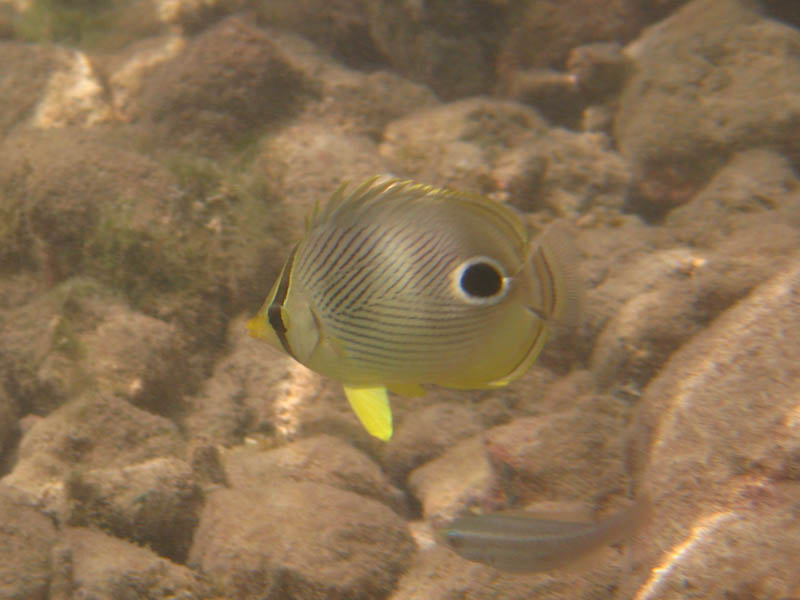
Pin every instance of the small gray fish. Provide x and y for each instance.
(520, 542)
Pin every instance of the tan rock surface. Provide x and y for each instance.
(154, 503)
(87, 432)
(320, 459)
(304, 540)
(716, 439)
(27, 539)
(92, 564)
(669, 124)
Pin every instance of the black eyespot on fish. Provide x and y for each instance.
(481, 280)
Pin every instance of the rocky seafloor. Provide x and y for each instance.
(157, 158)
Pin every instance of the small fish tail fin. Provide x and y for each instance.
(625, 523)
(556, 265)
(584, 550)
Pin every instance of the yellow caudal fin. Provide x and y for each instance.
(556, 264)
(371, 405)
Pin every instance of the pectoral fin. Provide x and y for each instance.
(371, 405)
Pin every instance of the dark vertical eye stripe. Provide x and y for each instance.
(274, 310)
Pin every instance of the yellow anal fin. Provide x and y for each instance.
(409, 390)
(371, 405)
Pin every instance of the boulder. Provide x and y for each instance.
(449, 47)
(427, 432)
(461, 477)
(27, 539)
(573, 454)
(155, 503)
(320, 458)
(88, 432)
(229, 80)
(49, 86)
(712, 79)
(715, 447)
(287, 539)
(92, 564)
(506, 149)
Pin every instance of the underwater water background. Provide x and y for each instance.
(158, 159)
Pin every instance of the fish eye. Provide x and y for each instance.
(453, 539)
(481, 280)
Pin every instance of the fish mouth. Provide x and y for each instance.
(257, 328)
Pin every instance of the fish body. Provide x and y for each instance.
(521, 542)
(396, 285)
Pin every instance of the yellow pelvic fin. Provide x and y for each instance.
(409, 390)
(371, 405)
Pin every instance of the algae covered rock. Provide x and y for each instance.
(461, 476)
(307, 161)
(420, 437)
(321, 459)
(451, 144)
(339, 26)
(542, 34)
(347, 99)
(438, 574)
(259, 392)
(35, 88)
(571, 454)
(91, 564)
(712, 79)
(80, 336)
(754, 188)
(449, 47)
(60, 191)
(716, 449)
(229, 81)
(300, 539)
(85, 433)
(156, 502)
(181, 238)
(9, 415)
(507, 149)
(28, 537)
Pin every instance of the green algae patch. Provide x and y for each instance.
(89, 24)
(198, 263)
(219, 225)
(42, 353)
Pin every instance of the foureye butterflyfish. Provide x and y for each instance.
(397, 285)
